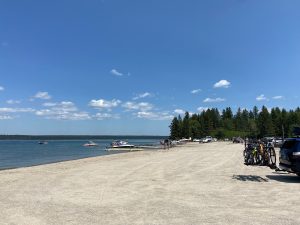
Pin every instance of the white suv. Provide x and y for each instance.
(207, 139)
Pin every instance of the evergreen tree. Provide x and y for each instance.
(265, 125)
(252, 123)
(186, 125)
(174, 129)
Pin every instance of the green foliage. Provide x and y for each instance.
(254, 123)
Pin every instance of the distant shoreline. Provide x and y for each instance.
(77, 137)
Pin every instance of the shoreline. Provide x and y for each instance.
(112, 152)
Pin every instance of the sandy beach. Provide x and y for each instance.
(190, 184)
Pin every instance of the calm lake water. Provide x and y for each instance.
(15, 154)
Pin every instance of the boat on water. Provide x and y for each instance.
(90, 144)
(122, 145)
(43, 142)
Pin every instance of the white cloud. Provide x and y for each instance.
(142, 106)
(214, 100)
(49, 104)
(11, 102)
(2, 88)
(42, 95)
(143, 95)
(179, 111)
(279, 97)
(75, 116)
(65, 106)
(155, 115)
(61, 106)
(196, 91)
(222, 84)
(5, 112)
(116, 72)
(64, 110)
(262, 97)
(16, 110)
(201, 109)
(6, 117)
(102, 116)
(104, 104)
(63, 115)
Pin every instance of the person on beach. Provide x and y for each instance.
(166, 144)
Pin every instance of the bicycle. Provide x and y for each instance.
(268, 155)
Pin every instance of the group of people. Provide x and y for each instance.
(166, 143)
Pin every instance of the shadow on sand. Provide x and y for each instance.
(252, 178)
(284, 177)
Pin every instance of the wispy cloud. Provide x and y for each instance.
(222, 84)
(49, 104)
(64, 110)
(201, 109)
(103, 104)
(63, 115)
(2, 88)
(208, 100)
(6, 117)
(262, 97)
(12, 102)
(42, 95)
(279, 97)
(142, 106)
(7, 113)
(143, 95)
(102, 116)
(154, 115)
(16, 110)
(116, 73)
(179, 111)
(196, 91)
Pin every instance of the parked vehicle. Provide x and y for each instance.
(237, 140)
(207, 139)
(289, 156)
(278, 142)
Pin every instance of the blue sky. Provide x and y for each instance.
(129, 67)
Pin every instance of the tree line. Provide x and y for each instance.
(253, 123)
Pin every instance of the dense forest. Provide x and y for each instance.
(251, 123)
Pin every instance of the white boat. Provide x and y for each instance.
(42, 142)
(122, 146)
(90, 144)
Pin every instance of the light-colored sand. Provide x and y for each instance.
(194, 184)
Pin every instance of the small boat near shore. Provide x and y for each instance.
(120, 145)
(90, 144)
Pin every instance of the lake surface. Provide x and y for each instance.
(15, 154)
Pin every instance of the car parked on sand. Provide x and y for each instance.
(289, 156)
(207, 139)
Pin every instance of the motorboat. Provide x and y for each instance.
(42, 142)
(122, 146)
(90, 144)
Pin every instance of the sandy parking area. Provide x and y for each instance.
(193, 184)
